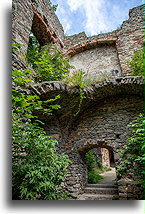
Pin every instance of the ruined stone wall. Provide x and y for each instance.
(104, 125)
(38, 15)
(102, 59)
(128, 39)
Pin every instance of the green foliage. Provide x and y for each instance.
(132, 154)
(79, 79)
(15, 47)
(37, 169)
(54, 7)
(136, 63)
(49, 63)
(32, 51)
(94, 167)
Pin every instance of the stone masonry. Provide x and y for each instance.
(109, 105)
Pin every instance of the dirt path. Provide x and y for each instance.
(109, 177)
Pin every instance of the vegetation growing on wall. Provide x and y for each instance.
(132, 154)
(136, 63)
(53, 6)
(37, 168)
(49, 63)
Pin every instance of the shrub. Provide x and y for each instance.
(37, 168)
(136, 63)
(94, 167)
(132, 154)
(49, 63)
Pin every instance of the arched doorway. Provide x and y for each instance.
(99, 164)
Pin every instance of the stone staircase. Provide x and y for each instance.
(99, 192)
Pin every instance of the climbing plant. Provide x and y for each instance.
(79, 79)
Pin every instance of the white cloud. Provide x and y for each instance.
(66, 23)
(98, 18)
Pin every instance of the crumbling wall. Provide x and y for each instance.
(39, 17)
(128, 39)
(99, 60)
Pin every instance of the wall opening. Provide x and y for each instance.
(100, 166)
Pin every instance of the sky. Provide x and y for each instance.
(93, 16)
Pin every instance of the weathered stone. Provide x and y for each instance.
(109, 106)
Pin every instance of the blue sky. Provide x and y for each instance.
(93, 16)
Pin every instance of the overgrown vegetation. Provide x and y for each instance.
(37, 168)
(80, 79)
(132, 154)
(49, 63)
(136, 63)
(94, 167)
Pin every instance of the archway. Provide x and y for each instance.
(99, 163)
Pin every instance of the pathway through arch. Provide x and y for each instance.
(106, 189)
(108, 177)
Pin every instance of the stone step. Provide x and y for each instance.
(86, 196)
(103, 191)
(102, 186)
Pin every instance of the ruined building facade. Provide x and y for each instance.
(109, 105)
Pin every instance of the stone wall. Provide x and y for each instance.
(102, 59)
(109, 105)
(128, 39)
(39, 17)
(101, 123)
(130, 36)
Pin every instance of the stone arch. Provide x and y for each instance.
(82, 150)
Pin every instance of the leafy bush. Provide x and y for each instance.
(94, 167)
(94, 177)
(136, 63)
(49, 63)
(132, 154)
(37, 169)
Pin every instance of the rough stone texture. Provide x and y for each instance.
(130, 36)
(109, 105)
(127, 39)
(38, 17)
(102, 59)
(102, 121)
